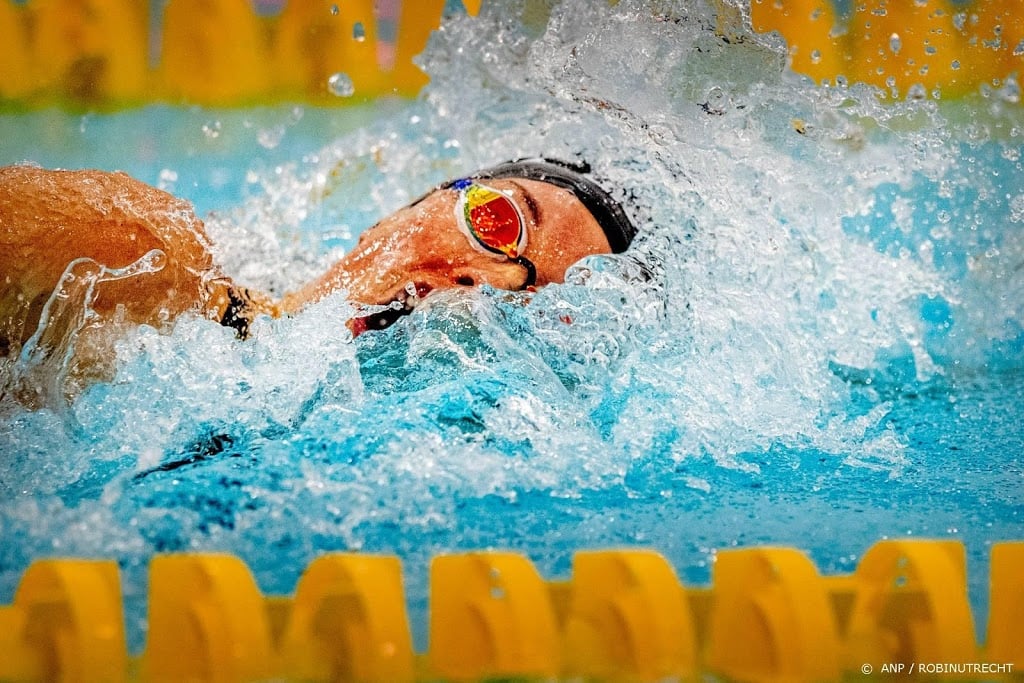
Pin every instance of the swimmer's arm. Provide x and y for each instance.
(48, 219)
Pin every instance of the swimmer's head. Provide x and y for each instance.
(513, 226)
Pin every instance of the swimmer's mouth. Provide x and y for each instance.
(404, 303)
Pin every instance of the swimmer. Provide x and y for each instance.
(518, 225)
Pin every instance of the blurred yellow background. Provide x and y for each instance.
(237, 52)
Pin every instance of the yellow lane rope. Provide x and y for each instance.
(623, 616)
(220, 52)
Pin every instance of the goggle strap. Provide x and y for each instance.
(531, 271)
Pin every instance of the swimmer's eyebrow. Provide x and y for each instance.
(531, 202)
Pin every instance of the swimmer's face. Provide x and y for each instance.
(423, 245)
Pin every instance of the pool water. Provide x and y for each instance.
(818, 341)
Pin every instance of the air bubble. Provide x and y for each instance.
(358, 32)
(1019, 50)
(341, 84)
(815, 56)
(894, 43)
(334, 10)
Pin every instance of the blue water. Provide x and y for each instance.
(817, 342)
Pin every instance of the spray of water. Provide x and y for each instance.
(38, 377)
(807, 255)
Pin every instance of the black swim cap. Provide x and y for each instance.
(608, 213)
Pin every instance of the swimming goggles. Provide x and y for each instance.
(493, 223)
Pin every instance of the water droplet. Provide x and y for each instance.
(1017, 209)
(895, 43)
(815, 56)
(1019, 50)
(717, 101)
(358, 32)
(335, 10)
(153, 261)
(930, 49)
(955, 65)
(167, 179)
(917, 92)
(1010, 92)
(269, 138)
(211, 129)
(340, 84)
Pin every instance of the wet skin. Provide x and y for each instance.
(423, 245)
(50, 218)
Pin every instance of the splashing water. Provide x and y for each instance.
(759, 367)
(341, 85)
(38, 376)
